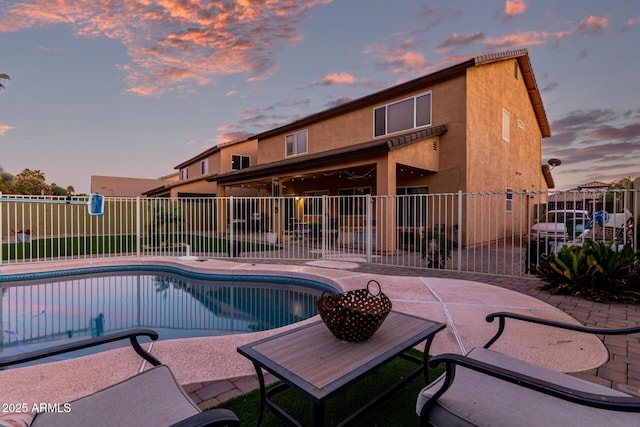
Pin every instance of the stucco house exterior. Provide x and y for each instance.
(196, 177)
(474, 126)
(116, 186)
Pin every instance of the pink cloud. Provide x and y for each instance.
(515, 7)
(457, 41)
(5, 128)
(231, 136)
(526, 38)
(339, 78)
(593, 24)
(400, 60)
(335, 78)
(631, 22)
(176, 45)
(411, 59)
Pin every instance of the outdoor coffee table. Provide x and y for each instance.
(317, 364)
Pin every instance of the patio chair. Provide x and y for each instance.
(150, 398)
(487, 388)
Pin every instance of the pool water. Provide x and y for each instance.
(50, 311)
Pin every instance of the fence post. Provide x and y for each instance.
(325, 225)
(368, 232)
(1, 253)
(460, 205)
(138, 225)
(231, 242)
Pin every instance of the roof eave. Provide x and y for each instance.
(548, 178)
(534, 95)
(331, 157)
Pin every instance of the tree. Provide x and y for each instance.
(622, 183)
(5, 77)
(5, 180)
(30, 182)
(56, 190)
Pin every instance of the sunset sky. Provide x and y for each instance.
(135, 87)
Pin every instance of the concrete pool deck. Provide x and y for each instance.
(199, 363)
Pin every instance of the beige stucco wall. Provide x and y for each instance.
(342, 131)
(219, 162)
(357, 126)
(116, 186)
(200, 186)
(244, 148)
(495, 164)
(448, 107)
(195, 169)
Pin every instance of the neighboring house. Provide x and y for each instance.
(116, 186)
(591, 196)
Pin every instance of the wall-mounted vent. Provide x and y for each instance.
(435, 145)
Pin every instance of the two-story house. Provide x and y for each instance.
(195, 175)
(477, 125)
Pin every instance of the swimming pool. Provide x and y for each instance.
(44, 309)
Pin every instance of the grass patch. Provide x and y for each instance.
(53, 247)
(398, 410)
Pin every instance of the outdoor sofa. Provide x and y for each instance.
(150, 398)
(487, 388)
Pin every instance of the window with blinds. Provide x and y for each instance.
(407, 114)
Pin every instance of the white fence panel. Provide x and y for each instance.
(496, 233)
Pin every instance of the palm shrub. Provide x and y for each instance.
(595, 271)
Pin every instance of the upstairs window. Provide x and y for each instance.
(184, 174)
(240, 162)
(410, 113)
(506, 123)
(204, 167)
(296, 143)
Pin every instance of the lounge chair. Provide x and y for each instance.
(487, 388)
(150, 398)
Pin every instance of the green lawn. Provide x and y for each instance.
(98, 245)
(399, 410)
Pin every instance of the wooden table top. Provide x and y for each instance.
(314, 360)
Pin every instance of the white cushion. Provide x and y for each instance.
(476, 399)
(151, 398)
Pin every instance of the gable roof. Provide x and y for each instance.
(521, 55)
(593, 184)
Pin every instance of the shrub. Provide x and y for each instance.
(595, 271)
(436, 249)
